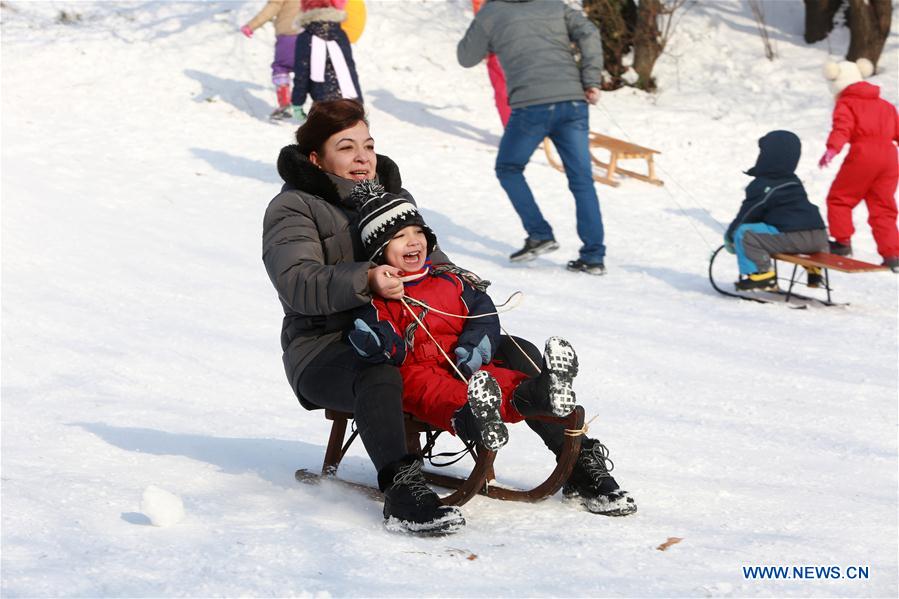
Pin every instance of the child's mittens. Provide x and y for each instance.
(366, 342)
(826, 158)
(246, 31)
(470, 359)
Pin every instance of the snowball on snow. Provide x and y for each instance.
(161, 507)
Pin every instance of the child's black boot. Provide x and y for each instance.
(758, 281)
(480, 419)
(550, 393)
(592, 484)
(813, 276)
(409, 503)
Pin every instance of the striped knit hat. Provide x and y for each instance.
(382, 215)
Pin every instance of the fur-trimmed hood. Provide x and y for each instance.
(332, 15)
(298, 173)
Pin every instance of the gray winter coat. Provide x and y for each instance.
(532, 39)
(314, 258)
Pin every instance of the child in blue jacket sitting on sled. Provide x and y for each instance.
(776, 216)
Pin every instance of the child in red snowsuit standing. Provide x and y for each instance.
(870, 171)
(497, 78)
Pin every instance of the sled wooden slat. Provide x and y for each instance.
(831, 261)
(477, 482)
(826, 262)
(618, 150)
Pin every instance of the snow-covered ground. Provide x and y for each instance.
(140, 332)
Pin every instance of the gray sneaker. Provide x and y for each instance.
(533, 248)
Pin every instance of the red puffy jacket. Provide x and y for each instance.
(432, 391)
(862, 116)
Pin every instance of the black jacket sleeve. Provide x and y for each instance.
(393, 346)
(752, 209)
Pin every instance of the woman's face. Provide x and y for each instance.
(349, 154)
(408, 249)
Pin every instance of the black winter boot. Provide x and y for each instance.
(409, 503)
(592, 485)
(551, 393)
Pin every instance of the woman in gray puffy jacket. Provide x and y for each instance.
(312, 252)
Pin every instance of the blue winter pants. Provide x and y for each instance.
(565, 123)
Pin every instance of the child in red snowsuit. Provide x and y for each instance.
(870, 172)
(497, 78)
(434, 391)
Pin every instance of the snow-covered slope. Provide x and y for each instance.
(140, 332)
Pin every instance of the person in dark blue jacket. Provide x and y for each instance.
(323, 65)
(776, 215)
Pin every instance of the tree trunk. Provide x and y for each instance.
(615, 20)
(819, 16)
(647, 45)
(869, 26)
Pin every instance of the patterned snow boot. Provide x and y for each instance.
(551, 393)
(480, 418)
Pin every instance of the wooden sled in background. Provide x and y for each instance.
(479, 481)
(618, 150)
(825, 261)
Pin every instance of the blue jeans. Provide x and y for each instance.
(565, 123)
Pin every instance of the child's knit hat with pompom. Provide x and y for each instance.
(382, 215)
(845, 73)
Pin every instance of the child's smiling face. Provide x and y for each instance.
(408, 249)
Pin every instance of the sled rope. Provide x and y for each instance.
(516, 296)
(577, 432)
(514, 300)
(422, 326)
(671, 195)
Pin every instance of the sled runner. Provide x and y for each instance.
(824, 261)
(478, 481)
(618, 150)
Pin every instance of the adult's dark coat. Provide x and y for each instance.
(313, 255)
(325, 24)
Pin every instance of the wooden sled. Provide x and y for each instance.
(478, 481)
(798, 277)
(618, 150)
(825, 262)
